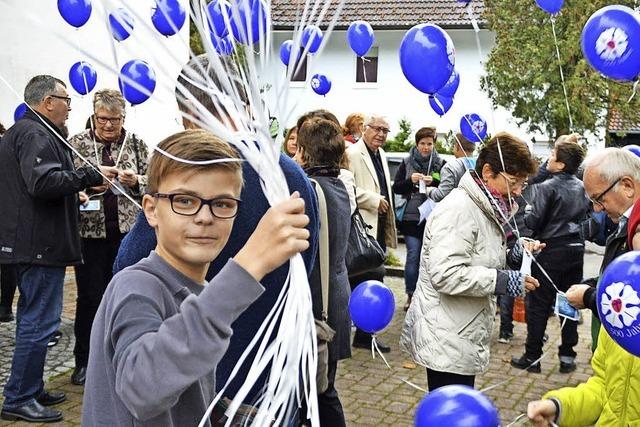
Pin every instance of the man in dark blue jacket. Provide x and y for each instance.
(39, 234)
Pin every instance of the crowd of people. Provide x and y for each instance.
(169, 296)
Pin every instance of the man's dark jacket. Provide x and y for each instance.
(39, 188)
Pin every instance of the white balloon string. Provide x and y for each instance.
(564, 86)
(518, 420)
(633, 92)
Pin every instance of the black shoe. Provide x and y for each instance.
(545, 338)
(524, 363)
(58, 334)
(567, 367)
(33, 412)
(79, 375)
(54, 338)
(367, 345)
(5, 314)
(505, 337)
(48, 398)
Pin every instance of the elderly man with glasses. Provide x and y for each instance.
(39, 234)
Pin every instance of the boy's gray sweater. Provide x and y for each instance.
(155, 343)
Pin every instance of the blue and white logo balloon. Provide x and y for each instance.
(320, 84)
(360, 37)
(473, 127)
(440, 104)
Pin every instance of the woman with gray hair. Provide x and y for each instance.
(109, 215)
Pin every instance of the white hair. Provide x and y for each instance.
(613, 163)
(374, 117)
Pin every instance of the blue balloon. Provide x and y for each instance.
(219, 12)
(371, 306)
(456, 406)
(83, 77)
(635, 149)
(427, 57)
(320, 84)
(360, 37)
(121, 23)
(75, 12)
(285, 51)
(253, 22)
(611, 42)
(440, 104)
(137, 81)
(222, 45)
(19, 112)
(550, 6)
(169, 17)
(473, 127)
(619, 303)
(312, 38)
(451, 87)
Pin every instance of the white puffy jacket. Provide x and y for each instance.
(449, 324)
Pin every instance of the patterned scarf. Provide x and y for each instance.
(501, 207)
(424, 164)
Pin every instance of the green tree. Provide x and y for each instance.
(400, 142)
(523, 74)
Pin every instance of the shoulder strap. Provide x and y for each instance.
(324, 248)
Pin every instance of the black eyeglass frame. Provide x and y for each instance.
(598, 199)
(113, 120)
(203, 202)
(66, 98)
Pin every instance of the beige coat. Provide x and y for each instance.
(449, 324)
(368, 190)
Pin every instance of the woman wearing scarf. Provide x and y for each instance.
(420, 169)
(464, 265)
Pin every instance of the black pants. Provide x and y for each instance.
(8, 284)
(329, 405)
(92, 279)
(564, 266)
(437, 379)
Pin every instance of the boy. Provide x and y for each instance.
(159, 332)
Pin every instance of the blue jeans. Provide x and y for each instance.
(412, 263)
(38, 317)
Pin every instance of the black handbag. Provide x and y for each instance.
(363, 251)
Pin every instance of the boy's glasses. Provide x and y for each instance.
(189, 205)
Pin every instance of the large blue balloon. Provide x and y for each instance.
(473, 127)
(456, 406)
(75, 12)
(360, 37)
(635, 149)
(550, 6)
(320, 84)
(312, 38)
(83, 77)
(451, 87)
(19, 111)
(143, 75)
(619, 303)
(611, 42)
(121, 23)
(220, 14)
(253, 21)
(427, 57)
(169, 17)
(222, 45)
(371, 306)
(440, 104)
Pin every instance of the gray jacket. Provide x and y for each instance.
(450, 176)
(155, 344)
(448, 326)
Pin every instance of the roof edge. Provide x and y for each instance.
(482, 26)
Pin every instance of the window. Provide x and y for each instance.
(367, 67)
(300, 74)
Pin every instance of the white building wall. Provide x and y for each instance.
(36, 40)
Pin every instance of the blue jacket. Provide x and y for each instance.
(141, 240)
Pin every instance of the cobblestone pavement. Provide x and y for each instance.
(372, 394)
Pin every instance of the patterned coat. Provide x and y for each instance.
(135, 157)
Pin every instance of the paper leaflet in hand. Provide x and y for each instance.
(425, 210)
(527, 259)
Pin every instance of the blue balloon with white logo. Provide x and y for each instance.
(83, 77)
(440, 104)
(75, 12)
(219, 15)
(121, 24)
(451, 87)
(169, 17)
(19, 111)
(320, 84)
(252, 24)
(371, 306)
(611, 42)
(312, 38)
(360, 37)
(473, 127)
(550, 6)
(618, 300)
(137, 81)
(427, 57)
(456, 406)
(222, 45)
(635, 149)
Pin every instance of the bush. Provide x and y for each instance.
(400, 142)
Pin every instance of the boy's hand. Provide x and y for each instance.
(541, 412)
(280, 234)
